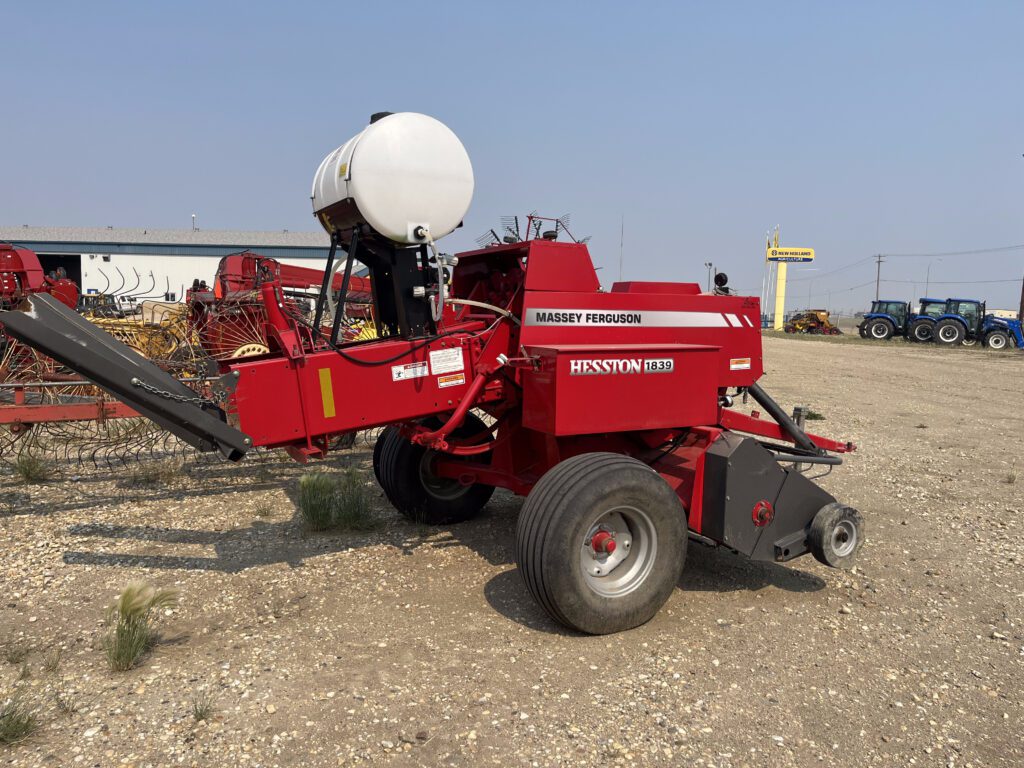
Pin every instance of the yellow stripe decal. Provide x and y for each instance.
(327, 392)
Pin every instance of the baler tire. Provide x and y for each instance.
(881, 330)
(401, 478)
(561, 512)
(921, 331)
(378, 447)
(948, 332)
(997, 340)
(836, 534)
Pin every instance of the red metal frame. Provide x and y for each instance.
(640, 370)
(20, 416)
(21, 274)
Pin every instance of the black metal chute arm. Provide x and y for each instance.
(789, 426)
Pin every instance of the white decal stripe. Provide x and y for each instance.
(624, 318)
(733, 320)
(747, 321)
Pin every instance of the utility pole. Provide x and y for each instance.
(710, 267)
(1020, 314)
(878, 274)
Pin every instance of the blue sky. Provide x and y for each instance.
(859, 127)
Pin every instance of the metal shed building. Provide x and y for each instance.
(155, 262)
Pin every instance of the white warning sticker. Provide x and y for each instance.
(451, 380)
(409, 371)
(446, 360)
(739, 364)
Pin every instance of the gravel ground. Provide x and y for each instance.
(419, 646)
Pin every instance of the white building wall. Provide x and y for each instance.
(100, 272)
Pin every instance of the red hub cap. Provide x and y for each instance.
(763, 513)
(603, 543)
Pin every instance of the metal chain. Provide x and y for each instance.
(218, 399)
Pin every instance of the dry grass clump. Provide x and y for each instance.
(131, 624)
(202, 706)
(263, 509)
(51, 662)
(343, 502)
(147, 473)
(32, 469)
(15, 653)
(66, 701)
(17, 720)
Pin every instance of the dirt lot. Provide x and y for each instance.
(414, 646)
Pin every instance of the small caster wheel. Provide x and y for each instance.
(836, 534)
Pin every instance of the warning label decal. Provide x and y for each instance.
(446, 360)
(739, 364)
(409, 371)
(451, 380)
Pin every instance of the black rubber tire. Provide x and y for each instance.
(378, 446)
(952, 330)
(399, 476)
(921, 331)
(1001, 340)
(555, 520)
(881, 329)
(862, 331)
(821, 537)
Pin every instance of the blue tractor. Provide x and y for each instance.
(962, 322)
(889, 317)
(1002, 333)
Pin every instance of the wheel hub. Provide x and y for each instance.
(444, 488)
(844, 538)
(618, 551)
(603, 543)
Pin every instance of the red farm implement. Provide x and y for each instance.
(40, 395)
(615, 412)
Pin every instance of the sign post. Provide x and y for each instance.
(782, 257)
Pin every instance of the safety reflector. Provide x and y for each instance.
(327, 392)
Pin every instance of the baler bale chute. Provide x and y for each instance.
(616, 413)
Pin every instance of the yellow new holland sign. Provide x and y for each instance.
(775, 253)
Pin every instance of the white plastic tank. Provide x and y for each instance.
(404, 171)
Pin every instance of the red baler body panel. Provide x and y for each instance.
(646, 386)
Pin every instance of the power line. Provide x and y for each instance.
(959, 282)
(858, 262)
(956, 253)
(846, 290)
(863, 259)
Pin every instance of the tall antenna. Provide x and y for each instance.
(622, 239)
